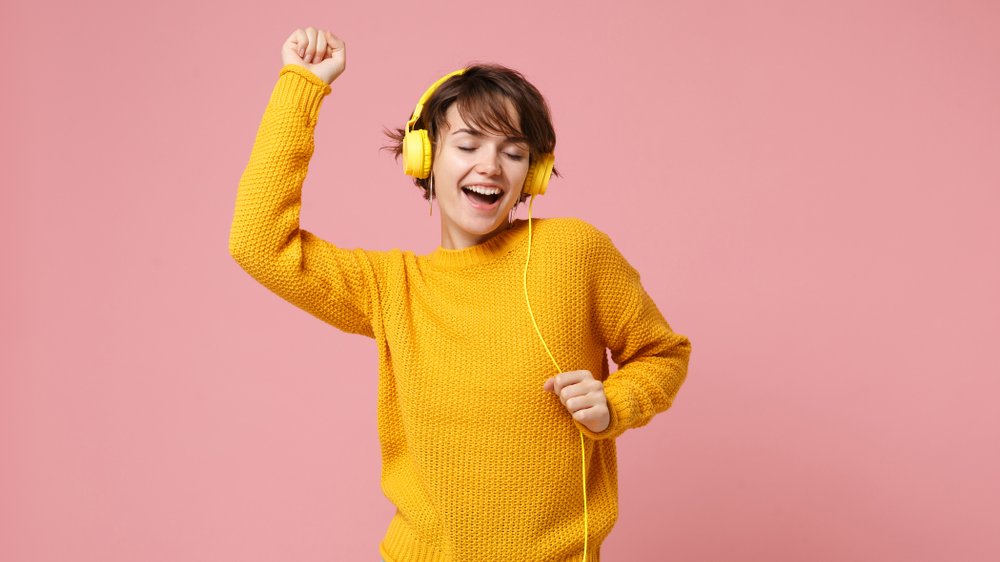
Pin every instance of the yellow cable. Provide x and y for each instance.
(583, 450)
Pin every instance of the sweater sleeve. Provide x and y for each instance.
(652, 359)
(331, 283)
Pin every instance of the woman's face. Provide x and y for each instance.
(465, 157)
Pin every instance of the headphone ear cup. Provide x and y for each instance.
(417, 154)
(537, 180)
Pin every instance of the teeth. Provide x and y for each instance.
(484, 190)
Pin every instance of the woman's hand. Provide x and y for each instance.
(318, 50)
(583, 396)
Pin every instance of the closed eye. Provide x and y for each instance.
(514, 157)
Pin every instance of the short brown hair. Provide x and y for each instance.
(481, 93)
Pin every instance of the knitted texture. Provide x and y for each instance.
(480, 461)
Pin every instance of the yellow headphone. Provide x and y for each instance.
(417, 157)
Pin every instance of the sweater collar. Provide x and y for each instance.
(501, 244)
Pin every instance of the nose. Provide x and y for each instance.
(489, 164)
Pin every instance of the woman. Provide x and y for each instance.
(496, 411)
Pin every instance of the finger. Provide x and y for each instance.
(586, 414)
(293, 42)
(335, 43)
(576, 403)
(303, 41)
(311, 47)
(569, 378)
(321, 51)
(300, 42)
(581, 389)
(333, 40)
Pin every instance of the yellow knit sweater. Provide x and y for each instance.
(480, 461)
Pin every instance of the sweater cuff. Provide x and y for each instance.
(617, 407)
(299, 88)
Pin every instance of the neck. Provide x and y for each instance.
(461, 240)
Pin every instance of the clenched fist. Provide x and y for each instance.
(318, 50)
(583, 396)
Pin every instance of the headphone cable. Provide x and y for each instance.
(583, 450)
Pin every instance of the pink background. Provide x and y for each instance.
(809, 189)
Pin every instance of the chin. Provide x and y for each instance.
(483, 225)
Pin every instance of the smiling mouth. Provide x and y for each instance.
(485, 200)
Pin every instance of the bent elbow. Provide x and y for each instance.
(235, 250)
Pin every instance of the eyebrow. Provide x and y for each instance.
(476, 133)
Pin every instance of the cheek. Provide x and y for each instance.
(521, 171)
(451, 163)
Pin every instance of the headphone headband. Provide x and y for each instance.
(427, 94)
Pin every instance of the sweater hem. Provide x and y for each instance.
(401, 544)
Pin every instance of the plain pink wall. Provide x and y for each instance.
(809, 189)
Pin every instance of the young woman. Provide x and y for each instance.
(497, 415)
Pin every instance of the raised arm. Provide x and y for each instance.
(331, 283)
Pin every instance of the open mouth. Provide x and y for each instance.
(482, 200)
